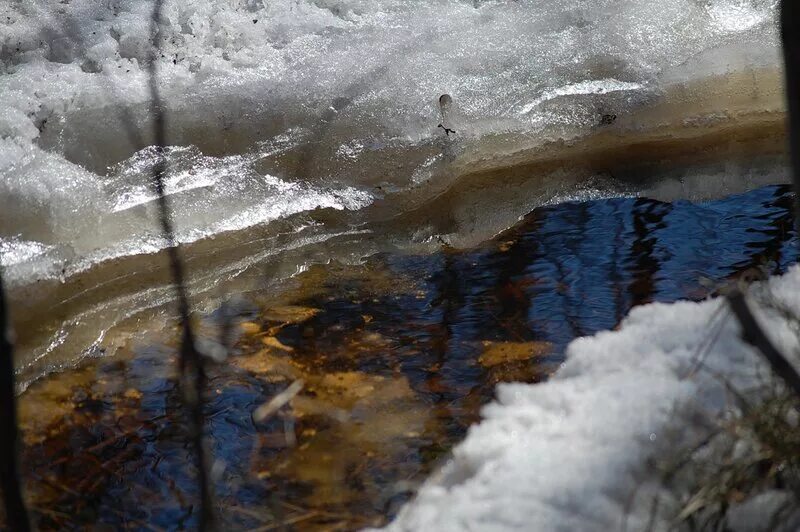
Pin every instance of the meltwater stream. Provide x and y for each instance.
(397, 355)
(353, 240)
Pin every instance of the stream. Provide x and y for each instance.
(397, 355)
(386, 207)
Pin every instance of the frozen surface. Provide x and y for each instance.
(572, 453)
(311, 97)
(92, 220)
(287, 115)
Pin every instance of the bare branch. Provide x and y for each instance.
(192, 372)
(276, 403)
(16, 513)
(790, 37)
(753, 334)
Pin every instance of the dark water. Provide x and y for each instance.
(397, 357)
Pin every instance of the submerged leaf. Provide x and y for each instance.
(496, 353)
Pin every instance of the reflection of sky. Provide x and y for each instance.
(577, 268)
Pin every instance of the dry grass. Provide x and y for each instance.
(753, 453)
(749, 458)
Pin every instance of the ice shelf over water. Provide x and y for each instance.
(293, 123)
(576, 452)
(303, 100)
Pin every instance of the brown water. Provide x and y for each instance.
(395, 357)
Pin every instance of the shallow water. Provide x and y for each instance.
(397, 355)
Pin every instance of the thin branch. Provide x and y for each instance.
(192, 373)
(16, 513)
(705, 346)
(753, 334)
(276, 403)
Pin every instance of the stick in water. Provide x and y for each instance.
(192, 372)
(445, 101)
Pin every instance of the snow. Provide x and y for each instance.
(325, 97)
(574, 453)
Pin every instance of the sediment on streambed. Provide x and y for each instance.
(396, 356)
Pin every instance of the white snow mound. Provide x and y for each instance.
(572, 453)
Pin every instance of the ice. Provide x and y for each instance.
(603, 86)
(388, 60)
(59, 204)
(279, 113)
(738, 15)
(15, 250)
(575, 453)
(43, 196)
(329, 97)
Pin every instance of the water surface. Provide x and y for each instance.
(397, 355)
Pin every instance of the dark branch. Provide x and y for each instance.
(447, 130)
(790, 36)
(192, 373)
(16, 514)
(753, 334)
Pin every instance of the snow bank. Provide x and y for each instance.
(572, 453)
(377, 65)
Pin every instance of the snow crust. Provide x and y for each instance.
(381, 62)
(573, 453)
(320, 98)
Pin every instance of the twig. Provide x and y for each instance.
(97, 447)
(753, 334)
(704, 348)
(16, 513)
(192, 373)
(273, 405)
(291, 521)
(249, 513)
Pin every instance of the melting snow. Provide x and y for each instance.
(571, 453)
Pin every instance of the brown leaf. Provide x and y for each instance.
(495, 353)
